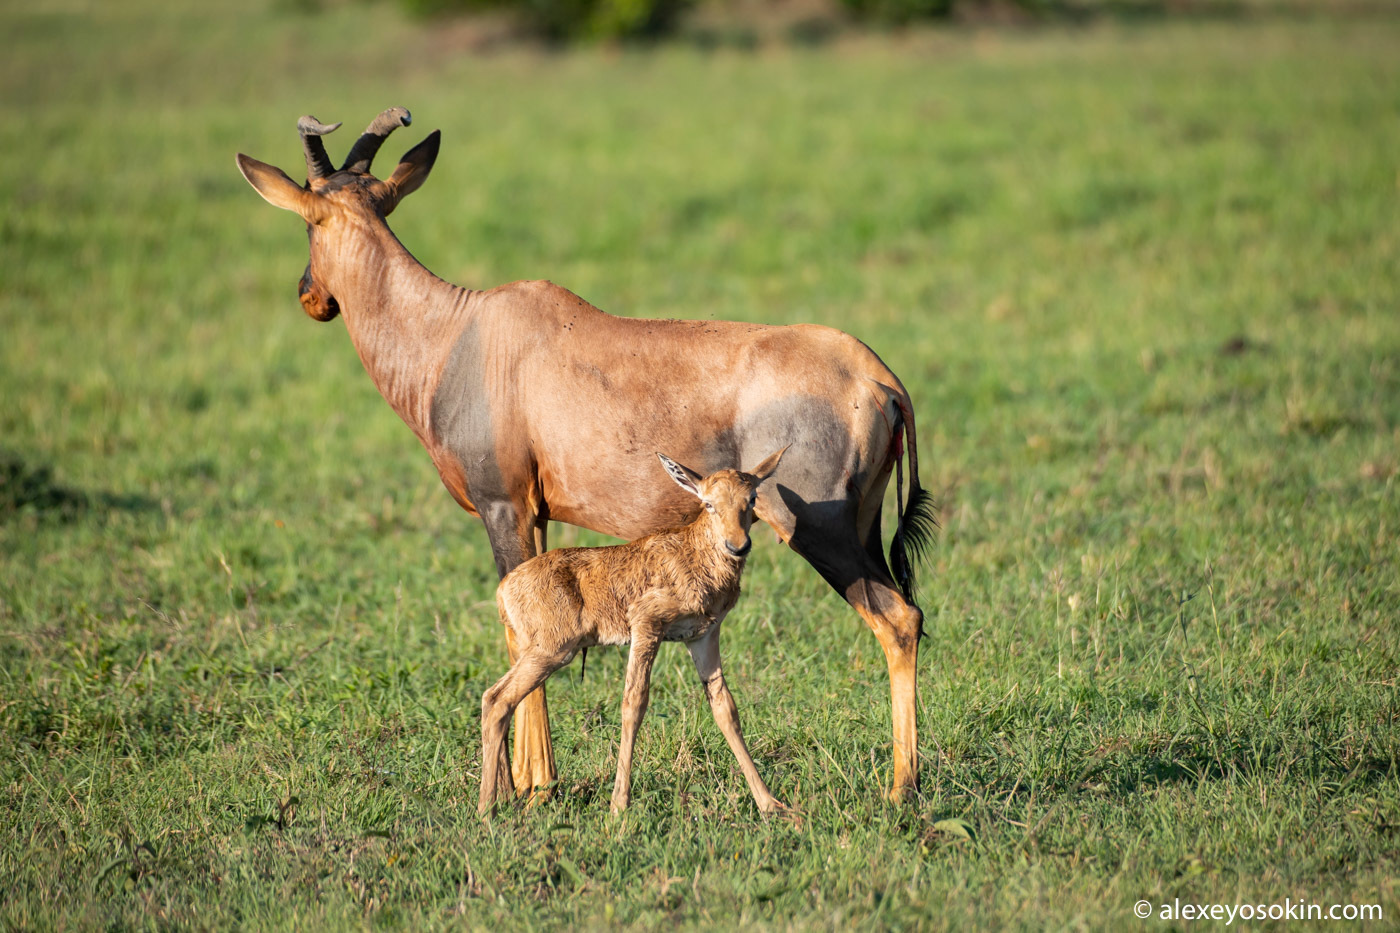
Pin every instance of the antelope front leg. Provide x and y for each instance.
(705, 654)
(634, 706)
(533, 769)
(516, 536)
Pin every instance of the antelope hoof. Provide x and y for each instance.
(538, 795)
(486, 809)
(534, 775)
(902, 793)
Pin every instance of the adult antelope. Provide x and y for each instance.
(536, 406)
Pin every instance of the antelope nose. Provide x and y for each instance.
(739, 551)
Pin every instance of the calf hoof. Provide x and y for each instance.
(790, 815)
(773, 807)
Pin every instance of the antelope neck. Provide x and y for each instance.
(402, 319)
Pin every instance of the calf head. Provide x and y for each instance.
(341, 206)
(729, 497)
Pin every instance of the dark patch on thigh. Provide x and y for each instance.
(813, 482)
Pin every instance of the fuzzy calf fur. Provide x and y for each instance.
(673, 586)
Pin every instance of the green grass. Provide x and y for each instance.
(1140, 281)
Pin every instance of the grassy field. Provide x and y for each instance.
(1143, 284)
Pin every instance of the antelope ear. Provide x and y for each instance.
(769, 466)
(685, 477)
(280, 191)
(411, 171)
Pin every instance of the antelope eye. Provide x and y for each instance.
(709, 507)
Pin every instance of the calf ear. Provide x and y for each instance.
(767, 467)
(685, 477)
(280, 191)
(411, 171)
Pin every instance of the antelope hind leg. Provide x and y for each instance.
(864, 581)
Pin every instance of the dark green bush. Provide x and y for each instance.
(897, 11)
(573, 19)
(901, 12)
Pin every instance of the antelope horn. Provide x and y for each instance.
(363, 152)
(318, 164)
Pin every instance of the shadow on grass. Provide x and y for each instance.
(28, 488)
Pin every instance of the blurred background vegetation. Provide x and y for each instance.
(750, 21)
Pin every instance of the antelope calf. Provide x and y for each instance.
(671, 586)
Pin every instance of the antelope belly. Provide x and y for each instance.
(688, 628)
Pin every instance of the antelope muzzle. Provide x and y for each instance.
(316, 301)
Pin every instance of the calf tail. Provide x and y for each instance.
(917, 518)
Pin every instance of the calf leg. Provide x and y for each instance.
(501, 761)
(497, 704)
(705, 653)
(634, 706)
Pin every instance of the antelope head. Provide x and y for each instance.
(729, 497)
(339, 204)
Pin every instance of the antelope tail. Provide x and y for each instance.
(917, 521)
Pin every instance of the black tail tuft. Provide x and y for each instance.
(912, 538)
